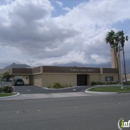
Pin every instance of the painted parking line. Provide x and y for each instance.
(28, 90)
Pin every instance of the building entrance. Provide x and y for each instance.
(81, 80)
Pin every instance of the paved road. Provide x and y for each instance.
(75, 113)
(37, 90)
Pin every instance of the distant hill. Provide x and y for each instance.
(14, 65)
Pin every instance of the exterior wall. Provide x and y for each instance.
(47, 75)
(88, 80)
(115, 77)
(69, 79)
(95, 78)
(101, 78)
(17, 77)
(31, 81)
(20, 71)
(25, 79)
(72, 70)
(37, 80)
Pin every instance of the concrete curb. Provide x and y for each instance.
(10, 96)
(94, 92)
(59, 88)
(122, 92)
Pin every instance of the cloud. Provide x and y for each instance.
(35, 37)
(7, 1)
(59, 3)
(66, 9)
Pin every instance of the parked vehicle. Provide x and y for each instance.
(18, 82)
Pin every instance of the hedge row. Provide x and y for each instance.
(101, 83)
(6, 89)
(108, 83)
(126, 83)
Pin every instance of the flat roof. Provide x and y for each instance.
(60, 69)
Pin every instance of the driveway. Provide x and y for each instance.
(37, 90)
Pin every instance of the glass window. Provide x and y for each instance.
(109, 78)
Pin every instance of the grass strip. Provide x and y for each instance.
(6, 94)
(110, 89)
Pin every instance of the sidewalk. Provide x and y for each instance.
(49, 95)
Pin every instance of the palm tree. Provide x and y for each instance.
(122, 39)
(112, 39)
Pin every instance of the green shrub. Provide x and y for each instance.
(7, 89)
(93, 83)
(102, 83)
(126, 83)
(0, 89)
(49, 86)
(57, 85)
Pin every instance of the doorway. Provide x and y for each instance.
(81, 80)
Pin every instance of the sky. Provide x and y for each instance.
(49, 32)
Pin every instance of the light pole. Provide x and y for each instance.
(121, 70)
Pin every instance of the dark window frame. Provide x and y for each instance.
(109, 78)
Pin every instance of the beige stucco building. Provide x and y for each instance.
(75, 76)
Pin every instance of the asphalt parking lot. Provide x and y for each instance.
(29, 89)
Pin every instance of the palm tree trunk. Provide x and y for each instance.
(124, 64)
(117, 64)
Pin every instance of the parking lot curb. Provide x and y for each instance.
(94, 92)
(10, 96)
(59, 88)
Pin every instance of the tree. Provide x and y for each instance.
(122, 38)
(112, 39)
(6, 76)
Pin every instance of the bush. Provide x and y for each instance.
(102, 83)
(49, 86)
(126, 83)
(93, 83)
(57, 85)
(0, 89)
(7, 89)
